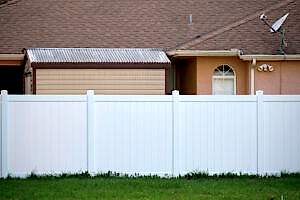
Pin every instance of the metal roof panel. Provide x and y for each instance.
(97, 55)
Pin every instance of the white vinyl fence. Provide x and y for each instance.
(157, 135)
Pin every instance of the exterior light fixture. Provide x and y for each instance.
(271, 68)
(265, 68)
(260, 68)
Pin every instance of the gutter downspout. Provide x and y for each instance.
(252, 76)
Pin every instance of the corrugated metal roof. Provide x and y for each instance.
(97, 55)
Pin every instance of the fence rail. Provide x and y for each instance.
(162, 135)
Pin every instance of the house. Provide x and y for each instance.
(214, 46)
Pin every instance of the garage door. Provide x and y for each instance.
(103, 81)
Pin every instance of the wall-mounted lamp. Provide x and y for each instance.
(265, 68)
(271, 68)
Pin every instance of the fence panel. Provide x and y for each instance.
(46, 137)
(159, 135)
(134, 135)
(217, 135)
(279, 145)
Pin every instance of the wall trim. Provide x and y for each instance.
(270, 57)
(188, 53)
(11, 56)
(234, 52)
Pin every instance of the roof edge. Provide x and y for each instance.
(188, 53)
(100, 65)
(270, 57)
(12, 56)
(233, 52)
(93, 48)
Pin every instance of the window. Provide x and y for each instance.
(224, 81)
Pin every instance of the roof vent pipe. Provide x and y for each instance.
(190, 19)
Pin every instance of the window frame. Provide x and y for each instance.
(232, 77)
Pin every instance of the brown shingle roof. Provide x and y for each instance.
(253, 37)
(136, 23)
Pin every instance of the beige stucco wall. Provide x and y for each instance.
(285, 79)
(206, 66)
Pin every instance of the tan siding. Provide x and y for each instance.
(129, 72)
(108, 92)
(99, 77)
(97, 81)
(101, 87)
(103, 81)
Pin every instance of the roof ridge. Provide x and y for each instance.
(198, 39)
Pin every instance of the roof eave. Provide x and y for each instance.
(11, 56)
(233, 52)
(97, 65)
(192, 53)
(270, 57)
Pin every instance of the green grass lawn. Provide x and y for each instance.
(287, 187)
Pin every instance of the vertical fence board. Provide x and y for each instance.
(90, 132)
(176, 134)
(1, 136)
(4, 134)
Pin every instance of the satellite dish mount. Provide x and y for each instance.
(277, 28)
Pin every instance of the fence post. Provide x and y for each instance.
(175, 132)
(260, 126)
(4, 141)
(90, 132)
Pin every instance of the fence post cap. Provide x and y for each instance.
(259, 92)
(175, 92)
(3, 92)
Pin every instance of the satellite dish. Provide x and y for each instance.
(277, 25)
(277, 28)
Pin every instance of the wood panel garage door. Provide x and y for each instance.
(103, 81)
